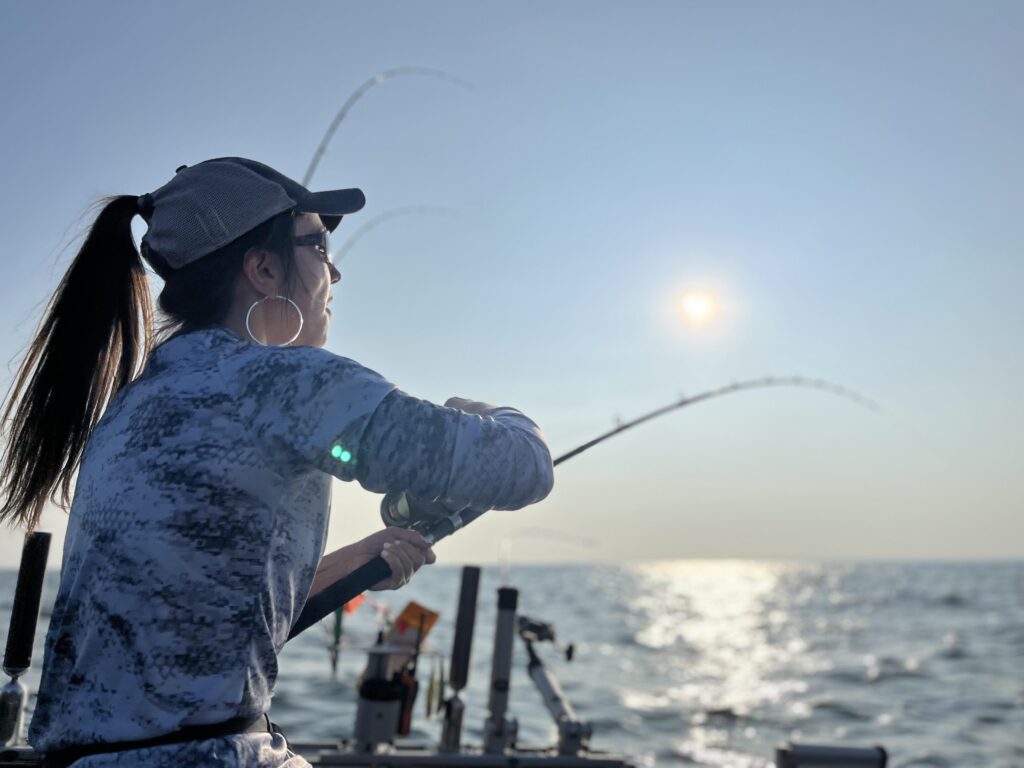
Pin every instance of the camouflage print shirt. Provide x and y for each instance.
(199, 518)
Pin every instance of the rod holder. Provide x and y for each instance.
(815, 755)
(21, 636)
(499, 730)
(465, 621)
(462, 646)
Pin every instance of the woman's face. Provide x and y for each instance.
(315, 274)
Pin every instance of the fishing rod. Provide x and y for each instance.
(762, 383)
(380, 77)
(434, 521)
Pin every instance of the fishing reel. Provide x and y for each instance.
(433, 520)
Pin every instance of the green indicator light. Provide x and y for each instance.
(345, 456)
(336, 451)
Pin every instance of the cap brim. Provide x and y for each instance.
(332, 205)
(335, 202)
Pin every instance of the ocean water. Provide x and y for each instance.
(714, 662)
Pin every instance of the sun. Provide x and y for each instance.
(698, 307)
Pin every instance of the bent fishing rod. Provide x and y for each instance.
(434, 521)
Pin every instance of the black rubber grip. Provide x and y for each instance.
(508, 598)
(462, 646)
(330, 599)
(25, 613)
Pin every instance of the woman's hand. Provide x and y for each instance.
(405, 551)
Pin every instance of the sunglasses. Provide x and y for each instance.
(317, 240)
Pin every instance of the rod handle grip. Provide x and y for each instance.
(331, 598)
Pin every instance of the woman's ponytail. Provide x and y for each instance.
(94, 339)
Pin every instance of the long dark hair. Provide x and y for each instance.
(95, 338)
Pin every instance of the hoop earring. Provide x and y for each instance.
(248, 315)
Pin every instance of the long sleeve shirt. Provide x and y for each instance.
(200, 515)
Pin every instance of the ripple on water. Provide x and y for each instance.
(607, 725)
(952, 653)
(878, 669)
(699, 753)
(994, 715)
(672, 757)
(722, 714)
(927, 760)
(843, 711)
(952, 600)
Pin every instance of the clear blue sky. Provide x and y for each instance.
(844, 176)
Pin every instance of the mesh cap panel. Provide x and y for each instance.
(206, 206)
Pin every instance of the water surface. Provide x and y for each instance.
(715, 662)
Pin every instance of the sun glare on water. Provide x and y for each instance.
(698, 308)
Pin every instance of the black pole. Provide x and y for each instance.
(462, 645)
(25, 612)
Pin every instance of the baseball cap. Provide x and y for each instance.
(207, 205)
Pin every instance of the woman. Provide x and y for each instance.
(200, 510)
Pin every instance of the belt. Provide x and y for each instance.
(259, 724)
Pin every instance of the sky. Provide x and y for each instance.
(842, 178)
